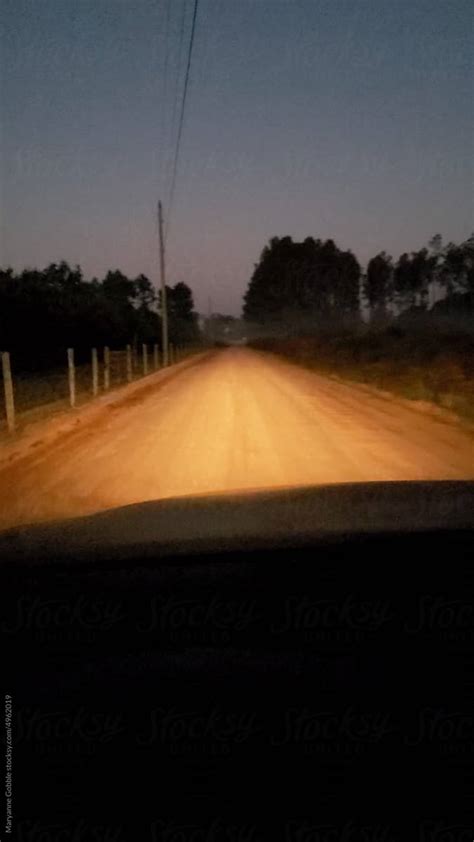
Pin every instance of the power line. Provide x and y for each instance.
(170, 113)
(178, 74)
(165, 90)
(181, 119)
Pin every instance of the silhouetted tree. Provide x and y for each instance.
(182, 320)
(378, 285)
(456, 273)
(44, 312)
(144, 292)
(412, 277)
(308, 280)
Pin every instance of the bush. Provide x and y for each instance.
(419, 364)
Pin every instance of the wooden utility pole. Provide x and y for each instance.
(164, 309)
(8, 386)
(106, 368)
(210, 326)
(72, 376)
(95, 372)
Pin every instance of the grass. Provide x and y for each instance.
(46, 392)
(49, 390)
(425, 365)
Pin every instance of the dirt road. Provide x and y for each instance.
(238, 419)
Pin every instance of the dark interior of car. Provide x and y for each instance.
(286, 679)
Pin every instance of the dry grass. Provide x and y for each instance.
(426, 365)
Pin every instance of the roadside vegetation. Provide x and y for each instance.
(44, 312)
(421, 365)
(406, 327)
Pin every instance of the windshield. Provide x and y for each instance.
(236, 249)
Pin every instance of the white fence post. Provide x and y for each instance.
(129, 364)
(72, 376)
(8, 388)
(95, 372)
(106, 368)
(145, 358)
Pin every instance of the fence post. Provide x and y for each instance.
(129, 364)
(8, 387)
(106, 367)
(145, 358)
(95, 372)
(156, 363)
(72, 377)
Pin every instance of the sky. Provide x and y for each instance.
(349, 119)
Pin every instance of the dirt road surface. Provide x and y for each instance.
(237, 419)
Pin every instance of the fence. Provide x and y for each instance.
(72, 384)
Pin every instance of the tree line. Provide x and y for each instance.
(315, 283)
(43, 312)
(439, 278)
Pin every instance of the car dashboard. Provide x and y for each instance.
(226, 677)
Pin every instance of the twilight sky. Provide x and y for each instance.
(350, 119)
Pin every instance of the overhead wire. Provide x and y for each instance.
(181, 119)
(163, 121)
(178, 70)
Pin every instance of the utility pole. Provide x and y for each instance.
(210, 330)
(164, 309)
